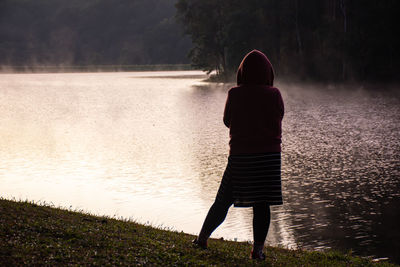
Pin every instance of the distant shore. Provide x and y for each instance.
(93, 68)
(32, 234)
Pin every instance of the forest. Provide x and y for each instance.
(91, 32)
(332, 40)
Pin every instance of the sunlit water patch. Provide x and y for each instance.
(151, 146)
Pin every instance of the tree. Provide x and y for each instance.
(204, 21)
(332, 40)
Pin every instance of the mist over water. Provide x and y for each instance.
(151, 146)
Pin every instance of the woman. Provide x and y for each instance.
(253, 112)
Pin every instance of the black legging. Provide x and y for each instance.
(217, 214)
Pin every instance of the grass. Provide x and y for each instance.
(32, 234)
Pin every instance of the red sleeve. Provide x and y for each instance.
(281, 106)
(227, 112)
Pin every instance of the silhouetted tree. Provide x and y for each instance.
(319, 39)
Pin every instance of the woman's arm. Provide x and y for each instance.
(227, 112)
(281, 106)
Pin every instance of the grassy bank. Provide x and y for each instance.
(41, 235)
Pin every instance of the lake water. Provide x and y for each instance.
(151, 146)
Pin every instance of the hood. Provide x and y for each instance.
(255, 69)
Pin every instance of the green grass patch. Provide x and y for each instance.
(32, 234)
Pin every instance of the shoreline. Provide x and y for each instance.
(212, 78)
(6, 69)
(43, 235)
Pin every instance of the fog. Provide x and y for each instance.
(72, 33)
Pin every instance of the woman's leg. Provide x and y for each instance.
(261, 221)
(216, 215)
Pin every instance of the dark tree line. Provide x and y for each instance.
(90, 32)
(318, 39)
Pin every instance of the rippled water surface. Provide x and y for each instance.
(151, 146)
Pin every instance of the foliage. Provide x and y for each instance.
(34, 235)
(90, 32)
(328, 40)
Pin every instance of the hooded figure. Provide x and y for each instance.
(254, 109)
(255, 69)
(253, 112)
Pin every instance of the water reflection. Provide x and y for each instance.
(127, 144)
(341, 164)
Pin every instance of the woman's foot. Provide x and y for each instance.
(200, 243)
(257, 255)
(257, 251)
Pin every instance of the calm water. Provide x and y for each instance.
(151, 146)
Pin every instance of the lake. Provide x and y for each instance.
(151, 146)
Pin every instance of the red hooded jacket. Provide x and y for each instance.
(254, 108)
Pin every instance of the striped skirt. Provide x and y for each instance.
(250, 179)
